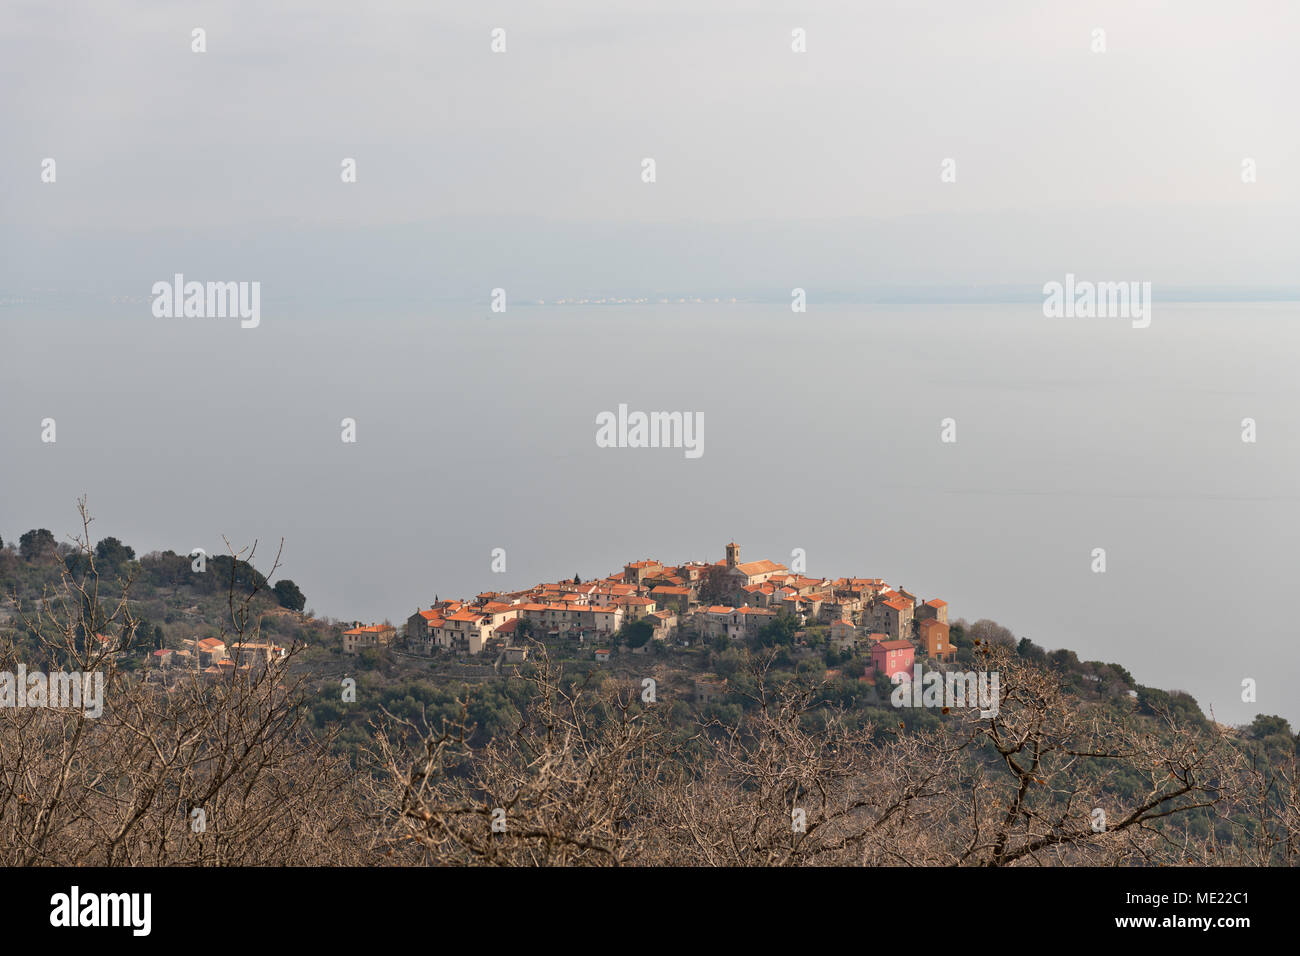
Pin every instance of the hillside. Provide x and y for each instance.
(1071, 738)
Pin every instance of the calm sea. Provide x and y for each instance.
(822, 432)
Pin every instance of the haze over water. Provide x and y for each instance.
(911, 153)
(822, 432)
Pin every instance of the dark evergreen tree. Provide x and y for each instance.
(289, 595)
(35, 543)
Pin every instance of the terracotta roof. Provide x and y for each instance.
(465, 616)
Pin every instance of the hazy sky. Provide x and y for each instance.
(775, 170)
(824, 165)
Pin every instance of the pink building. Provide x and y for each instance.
(892, 657)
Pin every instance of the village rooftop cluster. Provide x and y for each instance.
(692, 601)
(212, 659)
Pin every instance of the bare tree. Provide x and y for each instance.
(190, 771)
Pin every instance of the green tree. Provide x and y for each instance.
(1027, 648)
(113, 553)
(779, 631)
(289, 595)
(35, 543)
(1064, 660)
(225, 571)
(1268, 725)
(638, 632)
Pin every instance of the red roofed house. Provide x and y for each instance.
(466, 631)
(421, 624)
(717, 621)
(105, 641)
(890, 658)
(638, 571)
(752, 619)
(935, 641)
(843, 635)
(935, 609)
(893, 616)
(636, 607)
(740, 575)
(508, 630)
(665, 622)
(257, 653)
(358, 638)
(210, 650)
(670, 595)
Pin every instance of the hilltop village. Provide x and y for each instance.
(682, 604)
